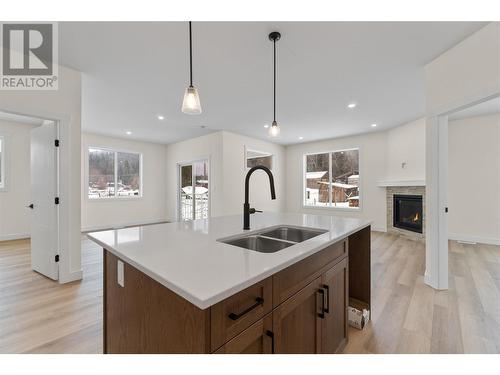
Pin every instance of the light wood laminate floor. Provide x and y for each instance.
(38, 315)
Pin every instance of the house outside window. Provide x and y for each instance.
(114, 174)
(254, 158)
(332, 179)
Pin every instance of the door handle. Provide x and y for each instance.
(31, 206)
(322, 294)
(327, 308)
(258, 302)
(271, 335)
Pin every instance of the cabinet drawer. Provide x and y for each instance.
(292, 279)
(253, 340)
(236, 313)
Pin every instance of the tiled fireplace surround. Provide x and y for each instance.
(404, 190)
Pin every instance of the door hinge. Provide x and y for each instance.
(56, 200)
(446, 209)
(56, 142)
(56, 258)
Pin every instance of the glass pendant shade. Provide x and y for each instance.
(274, 130)
(191, 103)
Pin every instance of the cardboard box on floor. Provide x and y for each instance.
(358, 314)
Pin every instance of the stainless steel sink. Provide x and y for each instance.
(259, 243)
(293, 234)
(271, 240)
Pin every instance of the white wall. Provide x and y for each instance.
(406, 144)
(463, 75)
(15, 217)
(227, 173)
(468, 72)
(207, 146)
(63, 104)
(235, 171)
(474, 179)
(152, 207)
(373, 156)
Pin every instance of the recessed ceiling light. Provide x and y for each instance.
(374, 125)
(301, 138)
(351, 105)
(266, 126)
(128, 132)
(161, 117)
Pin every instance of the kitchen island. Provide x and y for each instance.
(179, 288)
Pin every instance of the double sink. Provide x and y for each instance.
(271, 240)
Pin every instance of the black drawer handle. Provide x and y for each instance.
(258, 302)
(271, 335)
(327, 308)
(322, 313)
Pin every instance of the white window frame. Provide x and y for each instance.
(334, 208)
(116, 197)
(264, 154)
(181, 164)
(3, 177)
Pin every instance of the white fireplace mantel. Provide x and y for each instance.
(388, 183)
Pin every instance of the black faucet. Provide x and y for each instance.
(246, 206)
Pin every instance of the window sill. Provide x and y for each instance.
(344, 209)
(115, 199)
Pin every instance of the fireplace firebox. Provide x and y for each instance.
(407, 212)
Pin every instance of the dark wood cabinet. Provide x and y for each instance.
(256, 339)
(334, 325)
(301, 309)
(236, 313)
(297, 324)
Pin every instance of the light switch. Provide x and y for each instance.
(120, 274)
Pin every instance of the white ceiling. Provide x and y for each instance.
(11, 117)
(489, 107)
(136, 70)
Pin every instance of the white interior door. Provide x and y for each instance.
(44, 219)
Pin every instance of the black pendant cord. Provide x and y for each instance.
(274, 115)
(190, 57)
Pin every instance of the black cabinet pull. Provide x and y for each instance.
(271, 335)
(258, 302)
(322, 313)
(327, 288)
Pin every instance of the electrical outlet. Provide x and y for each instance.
(120, 274)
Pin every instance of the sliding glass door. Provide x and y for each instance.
(193, 197)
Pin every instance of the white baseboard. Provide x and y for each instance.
(375, 228)
(121, 225)
(17, 236)
(478, 239)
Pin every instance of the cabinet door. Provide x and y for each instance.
(256, 339)
(334, 326)
(297, 322)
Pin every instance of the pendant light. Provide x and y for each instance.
(274, 129)
(191, 103)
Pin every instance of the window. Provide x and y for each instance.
(114, 174)
(194, 190)
(332, 179)
(2, 162)
(253, 158)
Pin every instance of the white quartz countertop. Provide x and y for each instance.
(187, 258)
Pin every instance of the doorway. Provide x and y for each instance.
(193, 199)
(474, 174)
(30, 188)
(437, 189)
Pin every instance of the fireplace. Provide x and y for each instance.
(407, 212)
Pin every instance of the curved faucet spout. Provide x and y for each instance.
(246, 206)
